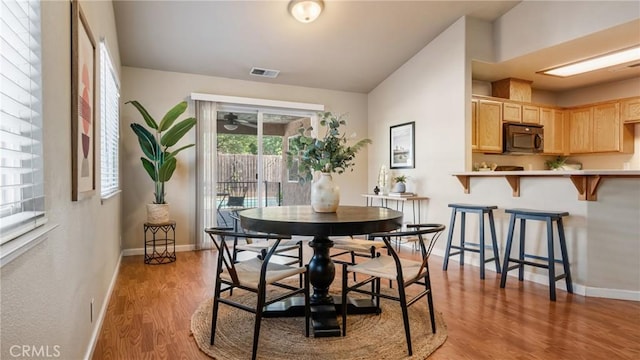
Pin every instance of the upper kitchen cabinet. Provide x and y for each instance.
(553, 124)
(530, 114)
(598, 129)
(630, 110)
(488, 126)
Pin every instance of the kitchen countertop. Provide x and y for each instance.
(586, 182)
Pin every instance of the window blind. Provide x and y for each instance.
(110, 117)
(21, 162)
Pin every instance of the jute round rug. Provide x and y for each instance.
(368, 336)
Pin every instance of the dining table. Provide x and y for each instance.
(304, 221)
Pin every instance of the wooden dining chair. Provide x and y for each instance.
(404, 271)
(254, 275)
(289, 250)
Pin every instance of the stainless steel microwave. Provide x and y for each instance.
(523, 138)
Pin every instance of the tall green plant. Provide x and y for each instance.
(160, 162)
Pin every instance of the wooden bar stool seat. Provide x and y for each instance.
(549, 261)
(481, 210)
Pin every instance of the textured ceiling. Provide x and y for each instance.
(352, 46)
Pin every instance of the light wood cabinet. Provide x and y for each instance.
(474, 125)
(488, 129)
(598, 129)
(553, 123)
(630, 110)
(530, 114)
(606, 128)
(580, 130)
(511, 112)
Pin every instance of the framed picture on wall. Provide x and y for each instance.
(83, 85)
(402, 146)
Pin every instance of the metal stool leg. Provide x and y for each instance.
(551, 261)
(494, 241)
(462, 233)
(565, 256)
(481, 252)
(521, 257)
(452, 223)
(507, 254)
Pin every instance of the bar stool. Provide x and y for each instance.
(549, 217)
(463, 209)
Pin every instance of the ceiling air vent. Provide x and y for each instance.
(264, 72)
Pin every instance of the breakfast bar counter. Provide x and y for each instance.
(586, 182)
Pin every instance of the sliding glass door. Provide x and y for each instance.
(251, 165)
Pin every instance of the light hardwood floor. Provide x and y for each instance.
(149, 314)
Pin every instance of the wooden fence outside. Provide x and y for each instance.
(244, 167)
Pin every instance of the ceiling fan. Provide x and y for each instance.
(231, 122)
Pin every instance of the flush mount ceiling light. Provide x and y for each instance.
(596, 63)
(230, 127)
(305, 11)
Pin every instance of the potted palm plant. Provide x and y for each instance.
(159, 161)
(327, 154)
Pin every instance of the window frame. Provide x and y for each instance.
(109, 127)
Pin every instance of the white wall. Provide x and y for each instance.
(535, 25)
(46, 292)
(430, 90)
(158, 91)
(434, 89)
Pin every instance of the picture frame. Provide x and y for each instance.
(402, 146)
(83, 119)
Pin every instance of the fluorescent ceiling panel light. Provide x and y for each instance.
(600, 62)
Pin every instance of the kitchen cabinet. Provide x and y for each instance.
(597, 129)
(630, 110)
(580, 130)
(606, 128)
(474, 125)
(530, 114)
(511, 112)
(553, 123)
(488, 130)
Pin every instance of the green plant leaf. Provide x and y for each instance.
(169, 156)
(145, 115)
(151, 170)
(172, 115)
(167, 169)
(147, 141)
(173, 135)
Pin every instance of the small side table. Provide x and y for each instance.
(160, 243)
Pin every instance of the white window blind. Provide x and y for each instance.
(110, 117)
(21, 163)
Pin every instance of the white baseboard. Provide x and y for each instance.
(542, 279)
(140, 251)
(613, 293)
(103, 311)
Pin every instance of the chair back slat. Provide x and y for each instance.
(414, 230)
(225, 256)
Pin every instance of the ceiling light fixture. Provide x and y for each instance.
(230, 127)
(306, 11)
(596, 63)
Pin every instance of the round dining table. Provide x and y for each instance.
(303, 220)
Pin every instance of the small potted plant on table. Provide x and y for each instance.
(400, 186)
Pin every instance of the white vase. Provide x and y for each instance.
(325, 194)
(399, 188)
(157, 213)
